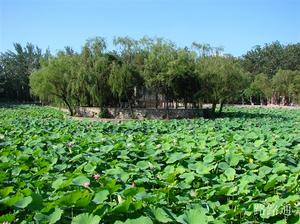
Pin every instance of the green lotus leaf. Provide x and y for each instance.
(86, 218)
(101, 196)
(140, 220)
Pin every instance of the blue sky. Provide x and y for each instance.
(237, 25)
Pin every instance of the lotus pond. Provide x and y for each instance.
(241, 168)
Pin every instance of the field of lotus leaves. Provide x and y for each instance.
(241, 168)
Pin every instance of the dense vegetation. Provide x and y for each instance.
(15, 69)
(241, 168)
(137, 69)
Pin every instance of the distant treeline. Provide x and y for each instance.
(154, 67)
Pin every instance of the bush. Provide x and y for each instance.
(104, 113)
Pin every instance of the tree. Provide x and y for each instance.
(221, 80)
(284, 85)
(292, 57)
(15, 70)
(126, 80)
(182, 75)
(92, 77)
(156, 74)
(206, 50)
(51, 82)
(96, 77)
(267, 59)
(100, 89)
(261, 87)
(123, 80)
(297, 87)
(128, 48)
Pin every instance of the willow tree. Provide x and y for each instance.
(156, 71)
(100, 89)
(91, 81)
(51, 82)
(123, 81)
(184, 81)
(127, 48)
(222, 79)
(206, 50)
(126, 80)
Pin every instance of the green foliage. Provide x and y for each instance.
(51, 83)
(148, 68)
(261, 86)
(184, 82)
(157, 76)
(123, 80)
(100, 197)
(52, 218)
(57, 170)
(286, 83)
(91, 83)
(268, 59)
(73, 79)
(278, 62)
(86, 218)
(104, 113)
(297, 87)
(144, 220)
(221, 78)
(195, 216)
(15, 68)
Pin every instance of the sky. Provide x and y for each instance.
(236, 25)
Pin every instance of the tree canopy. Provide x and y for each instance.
(15, 68)
(154, 68)
(222, 79)
(52, 81)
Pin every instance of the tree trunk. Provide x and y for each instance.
(69, 107)
(120, 103)
(251, 100)
(145, 103)
(273, 99)
(200, 105)
(213, 108)
(221, 106)
(77, 107)
(156, 100)
(167, 99)
(130, 106)
(283, 101)
(88, 99)
(261, 100)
